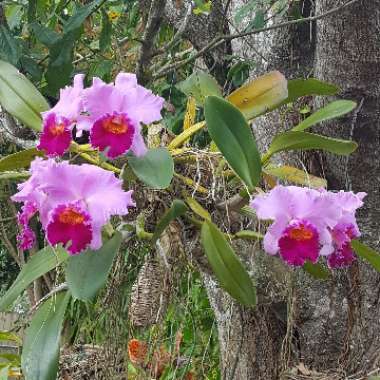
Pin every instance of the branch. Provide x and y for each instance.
(222, 38)
(10, 131)
(25, 144)
(155, 16)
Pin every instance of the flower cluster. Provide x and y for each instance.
(74, 202)
(309, 223)
(111, 113)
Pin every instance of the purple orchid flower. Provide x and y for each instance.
(74, 203)
(115, 113)
(308, 223)
(112, 113)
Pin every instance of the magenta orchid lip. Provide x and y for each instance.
(309, 223)
(56, 135)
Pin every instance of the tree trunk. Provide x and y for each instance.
(332, 327)
(342, 327)
(200, 30)
(258, 343)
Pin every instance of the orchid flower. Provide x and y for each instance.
(111, 113)
(74, 202)
(308, 223)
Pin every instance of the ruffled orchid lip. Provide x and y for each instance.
(299, 243)
(56, 135)
(113, 131)
(70, 225)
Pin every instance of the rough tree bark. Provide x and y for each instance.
(342, 322)
(257, 344)
(202, 29)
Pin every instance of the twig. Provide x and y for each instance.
(222, 38)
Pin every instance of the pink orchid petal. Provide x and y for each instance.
(70, 102)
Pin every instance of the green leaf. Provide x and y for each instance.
(198, 209)
(19, 160)
(20, 98)
(14, 175)
(40, 263)
(31, 66)
(61, 50)
(155, 168)
(258, 22)
(106, 33)
(233, 137)
(316, 270)
(239, 73)
(227, 267)
(367, 253)
(14, 358)
(60, 65)
(39, 359)
(101, 68)
(202, 7)
(10, 49)
(14, 13)
(77, 19)
(249, 235)
(294, 175)
(87, 272)
(4, 372)
(331, 111)
(306, 141)
(32, 9)
(199, 85)
(177, 209)
(245, 10)
(45, 35)
(297, 88)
